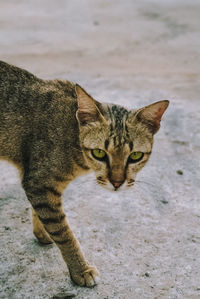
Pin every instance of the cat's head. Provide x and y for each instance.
(116, 143)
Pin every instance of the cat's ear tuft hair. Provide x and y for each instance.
(151, 115)
(88, 111)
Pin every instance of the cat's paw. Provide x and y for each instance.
(88, 278)
(43, 237)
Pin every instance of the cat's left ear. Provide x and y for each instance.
(151, 115)
(88, 111)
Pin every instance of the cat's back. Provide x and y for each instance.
(15, 86)
(12, 76)
(32, 106)
(23, 92)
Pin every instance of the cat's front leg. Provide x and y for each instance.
(46, 202)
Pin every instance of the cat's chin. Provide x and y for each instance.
(110, 187)
(107, 186)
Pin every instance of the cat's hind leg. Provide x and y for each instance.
(39, 230)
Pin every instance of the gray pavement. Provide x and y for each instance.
(144, 241)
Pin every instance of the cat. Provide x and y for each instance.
(54, 131)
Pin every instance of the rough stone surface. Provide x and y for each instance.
(144, 241)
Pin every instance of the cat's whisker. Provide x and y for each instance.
(145, 182)
(152, 187)
(101, 183)
(130, 185)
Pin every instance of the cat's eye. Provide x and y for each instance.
(135, 157)
(98, 154)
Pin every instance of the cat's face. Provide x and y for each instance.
(116, 155)
(116, 143)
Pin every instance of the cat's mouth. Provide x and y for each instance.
(127, 185)
(114, 185)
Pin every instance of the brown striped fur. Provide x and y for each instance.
(48, 129)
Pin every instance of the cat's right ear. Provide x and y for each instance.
(151, 115)
(88, 111)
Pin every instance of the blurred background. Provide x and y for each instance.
(133, 52)
(136, 44)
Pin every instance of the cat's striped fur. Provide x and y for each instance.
(48, 130)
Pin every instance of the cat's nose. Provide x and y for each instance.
(116, 184)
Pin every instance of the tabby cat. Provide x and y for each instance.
(54, 131)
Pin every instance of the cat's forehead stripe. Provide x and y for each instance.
(118, 128)
(131, 145)
(126, 129)
(106, 144)
(111, 129)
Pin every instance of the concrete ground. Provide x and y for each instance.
(144, 241)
